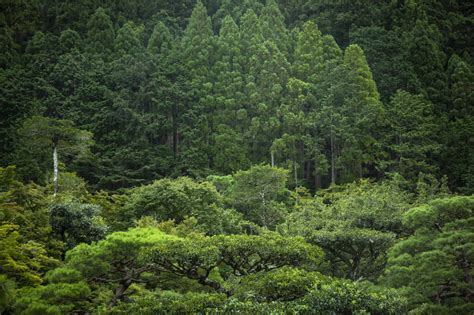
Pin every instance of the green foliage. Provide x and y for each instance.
(412, 137)
(171, 302)
(76, 223)
(53, 299)
(131, 96)
(101, 34)
(354, 226)
(285, 284)
(39, 136)
(25, 262)
(384, 51)
(434, 263)
(7, 293)
(180, 198)
(343, 297)
(260, 194)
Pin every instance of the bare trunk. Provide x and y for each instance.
(120, 291)
(56, 171)
(317, 181)
(273, 158)
(333, 159)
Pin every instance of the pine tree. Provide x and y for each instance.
(364, 111)
(427, 58)
(309, 54)
(160, 41)
(301, 137)
(128, 39)
(7, 45)
(100, 34)
(229, 149)
(459, 154)
(70, 40)
(274, 28)
(197, 46)
(412, 135)
(388, 60)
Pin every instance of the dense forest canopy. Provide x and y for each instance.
(223, 156)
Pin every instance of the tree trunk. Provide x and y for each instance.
(273, 158)
(120, 291)
(55, 166)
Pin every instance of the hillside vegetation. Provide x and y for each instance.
(235, 156)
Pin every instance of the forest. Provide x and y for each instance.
(237, 157)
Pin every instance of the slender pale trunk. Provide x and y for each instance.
(55, 166)
(273, 158)
(333, 159)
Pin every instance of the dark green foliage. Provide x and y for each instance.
(355, 226)
(100, 34)
(412, 135)
(387, 59)
(238, 142)
(260, 194)
(39, 137)
(435, 263)
(219, 95)
(349, 298)
(177, 200)
(24, 262)
(77, 223)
